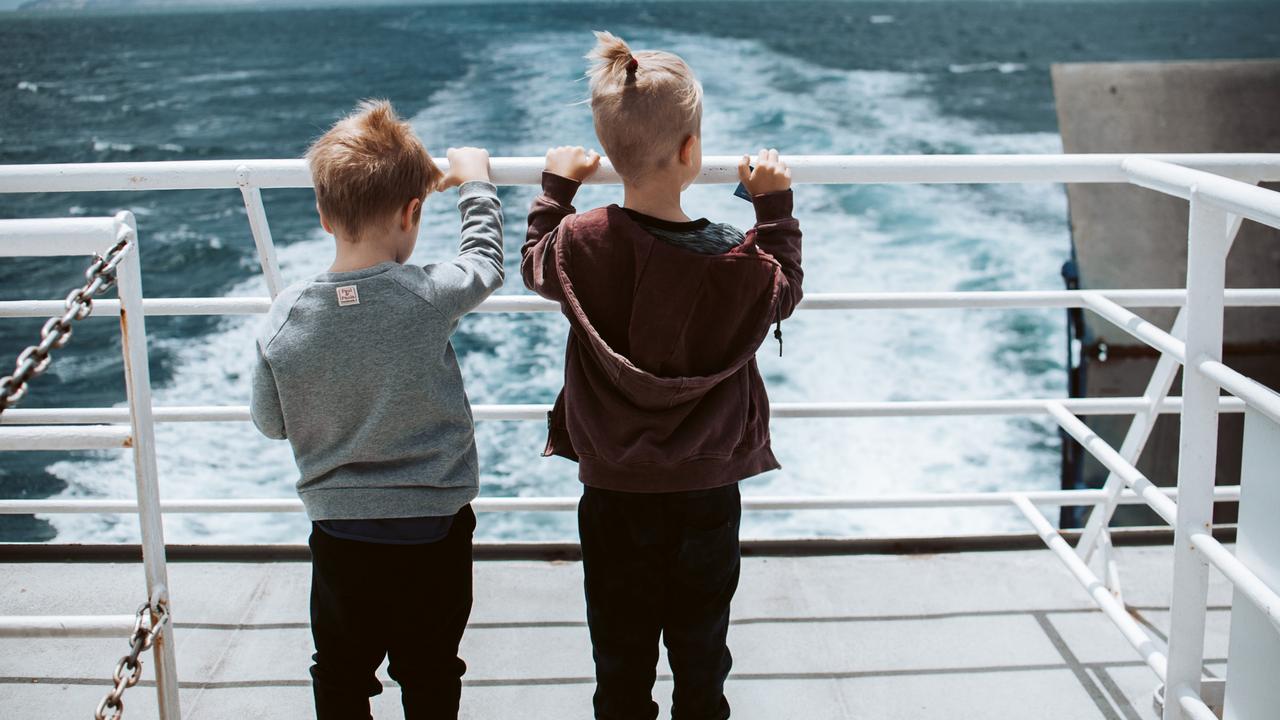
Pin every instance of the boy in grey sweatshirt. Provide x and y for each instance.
(357, 371)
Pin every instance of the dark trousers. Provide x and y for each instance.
(660, 565)
(409, 602)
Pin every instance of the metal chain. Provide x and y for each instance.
(99, 278)
(129, 669)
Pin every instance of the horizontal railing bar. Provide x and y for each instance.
(51, 506)
(80, 626)
(50, 237)
(1115, 462)
(1244, 579)
(1192, 704)
(1136, 326)
(279, 173)
(1255, 394)
(1241, 198)
(816, 301)
(1236, 297)
(1152, 650)
(77, 416)
(151, 307)
(789, 410)
(66, 437)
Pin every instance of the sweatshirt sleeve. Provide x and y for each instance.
(538, 255)
(777, 233)
(464, 282)
(264, 404)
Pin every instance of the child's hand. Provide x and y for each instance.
(465, 164)
(769, 175)
(575, 163)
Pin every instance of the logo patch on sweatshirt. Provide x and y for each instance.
(348, 295)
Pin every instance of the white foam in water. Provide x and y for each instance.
(1004, 68)
(106, 146)
(856, 238)
(220, 77)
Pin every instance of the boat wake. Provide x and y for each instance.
(522, 94)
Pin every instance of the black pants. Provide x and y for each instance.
(660, 564)
(371, 600)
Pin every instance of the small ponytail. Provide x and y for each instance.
(611, 60)
(641, 119)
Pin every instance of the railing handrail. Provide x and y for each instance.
(909, 300)
(985, 498)
(821, 169)
(778, 410)
(1236, 197)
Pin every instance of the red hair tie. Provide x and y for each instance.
(632, 64)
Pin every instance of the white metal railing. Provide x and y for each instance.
(91, 237)
(1221, 192)
(809, 169)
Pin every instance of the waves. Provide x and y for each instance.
(108, 146)
(521, 94)
(1004, 68)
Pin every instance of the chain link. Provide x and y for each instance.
(99, 277)
(129, 670)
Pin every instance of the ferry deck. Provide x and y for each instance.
(991, 634)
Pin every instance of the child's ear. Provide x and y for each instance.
(324, 222)
(412, 214)
(687, 149)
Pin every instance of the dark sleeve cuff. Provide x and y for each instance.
(559, 188)
(769, 206)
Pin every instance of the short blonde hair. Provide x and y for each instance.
(644, 104)
(369, 165)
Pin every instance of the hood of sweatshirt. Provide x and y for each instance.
(664, 323)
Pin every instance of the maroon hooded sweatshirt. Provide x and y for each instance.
(661, 390)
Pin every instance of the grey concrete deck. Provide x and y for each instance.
(969, 635)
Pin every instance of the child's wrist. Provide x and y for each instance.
(476, 188)
(775, 205)
(558, 186)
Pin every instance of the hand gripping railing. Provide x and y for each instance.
(98, 237)
(1190, 176)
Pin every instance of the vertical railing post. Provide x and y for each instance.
(1140, 429)
(261, 230)
(133, 334)
(1207, 245)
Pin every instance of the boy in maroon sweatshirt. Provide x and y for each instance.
(663, 406)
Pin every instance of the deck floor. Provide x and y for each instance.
(968, 635)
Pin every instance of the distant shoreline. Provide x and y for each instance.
(42, 7)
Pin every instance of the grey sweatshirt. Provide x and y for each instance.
(356, 369)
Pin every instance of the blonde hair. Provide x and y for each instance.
(369, 165)
(645, 104)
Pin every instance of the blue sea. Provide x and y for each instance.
(805, 77)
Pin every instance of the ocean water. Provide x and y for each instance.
(805, 77)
